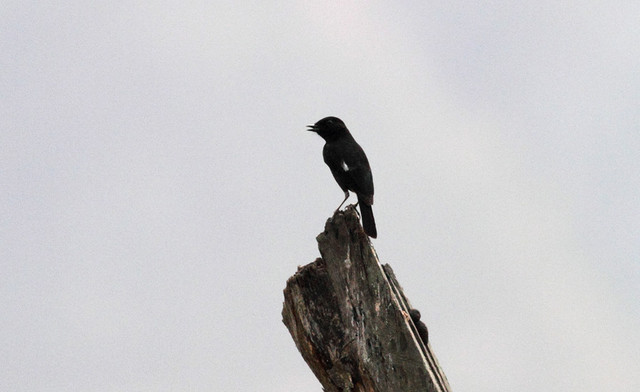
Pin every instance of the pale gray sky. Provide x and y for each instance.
(158, 186)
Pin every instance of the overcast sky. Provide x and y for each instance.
(158, 187)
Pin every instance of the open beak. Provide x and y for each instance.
(312, 128)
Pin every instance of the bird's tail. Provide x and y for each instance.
(368, 223)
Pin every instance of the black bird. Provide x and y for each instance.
(420, 326)
(349, 166)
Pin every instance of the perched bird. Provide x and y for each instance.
(420, 326)
(349, 166)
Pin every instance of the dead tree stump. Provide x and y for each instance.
(350, 319)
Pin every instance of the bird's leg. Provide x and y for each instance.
(346, 196)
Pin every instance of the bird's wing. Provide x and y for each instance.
(350, 167)
(336, 164)
(362, 179)
(359, 171)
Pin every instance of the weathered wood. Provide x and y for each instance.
(350, 319)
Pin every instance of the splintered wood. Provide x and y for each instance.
(350, 319)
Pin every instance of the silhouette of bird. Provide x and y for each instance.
(349, 166)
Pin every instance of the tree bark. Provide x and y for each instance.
(350, 319)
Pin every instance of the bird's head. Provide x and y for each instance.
(329, 128)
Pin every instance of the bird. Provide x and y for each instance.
(349, 165)
(420, 326)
